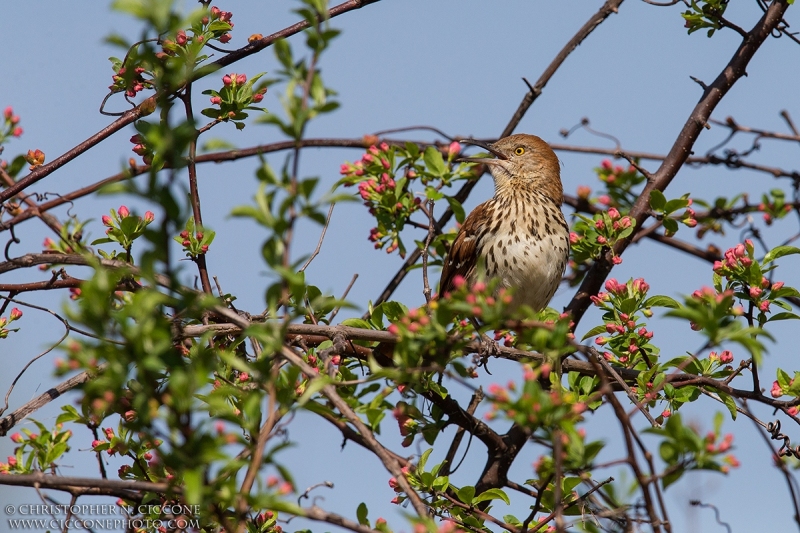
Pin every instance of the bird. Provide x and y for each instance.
(520, 235)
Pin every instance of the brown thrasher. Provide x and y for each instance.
(520, 235)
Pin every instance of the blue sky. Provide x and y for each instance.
(455, 65)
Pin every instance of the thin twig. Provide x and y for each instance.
(321, 238)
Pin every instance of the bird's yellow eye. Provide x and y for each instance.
(520, 150)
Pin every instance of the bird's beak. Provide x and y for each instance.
(486, 146)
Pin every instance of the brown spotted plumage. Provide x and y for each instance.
(520, 235)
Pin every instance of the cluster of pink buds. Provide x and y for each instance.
(224, 16)
(375, 155)
(233, 80)
(689, 216)
(11, 121)
(610, 173)
(736, 259)
(132, 87)
(395, 486)
(187, 242)
(725, 357)
(709, 294)
(15, 314)
(771, 211)
(722, 447)
(141, 149)
(372, 188)
(413, 321)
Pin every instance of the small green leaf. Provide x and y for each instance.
(466, 494)
(457, 208)
(361, 514)
(597, 330)
(657, 200)
(434, 161)
(661, 301)
(729, 403)
(780, 251)
(670, 225)
(491, 494)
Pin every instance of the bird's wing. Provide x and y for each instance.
(463, 257)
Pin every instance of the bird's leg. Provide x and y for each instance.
(488, 347)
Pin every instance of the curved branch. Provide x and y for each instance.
(682, 147)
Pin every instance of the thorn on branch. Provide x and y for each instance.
(699, 82)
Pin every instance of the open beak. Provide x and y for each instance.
(486, 146)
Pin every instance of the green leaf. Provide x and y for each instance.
(661, 301)
(657, 200)
(458, 209)
(466, 494)
(670, 225)
(193, 486)
(434, 161)
(780, 251)
(597, 330)
(783, 316)
(729, 403)
(361, 514)
(491, 494)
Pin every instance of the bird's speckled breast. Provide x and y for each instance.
(529, 248)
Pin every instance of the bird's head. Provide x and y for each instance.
(521, 160)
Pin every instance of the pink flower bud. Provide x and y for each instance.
(599, 223)
(453, 150)
(755, 292)
(107, 220)
(225, 38)
(16, 437)
(8, 113)
(600, 340)
(17, 132)
(181, 38)
(241, 79)
(613, 213)
(123, 211)
(15, 314)
(258, 97)
(726, 357)
(216, 100)
(776, 391)
(606, 164)
(149, 216)
(227, 79)
(777, 285)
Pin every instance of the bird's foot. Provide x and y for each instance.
(488, 348)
